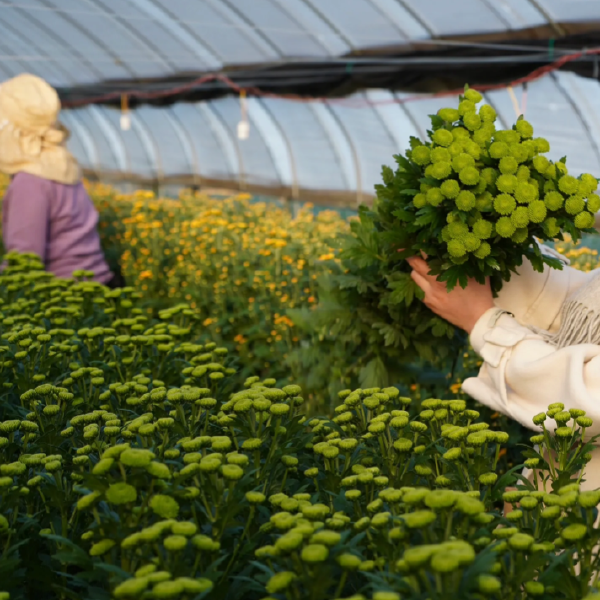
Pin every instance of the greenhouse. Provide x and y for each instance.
(300, 300)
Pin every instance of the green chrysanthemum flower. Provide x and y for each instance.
(471, 242)
(457, 229)
(472, 121)
(469, 176)
(506, 183)
(489, 175)
(551, 172)
(510, 136)
(520, 235)
(419, 519)
(164, 506)
(465, 200)
(473, 149)
(131, 588)
(508, 165)
(537, 211)
(504, 204)
(450, 188)
(505, 227)
(520, 541)
(483, 250)
(440, 155)
(167, 589)
(589, 181)
(102, 547)
(554, 200)
(574, 205)
(482, 137)
(460, 134)
(524, 128)
(484, 202)
(421, 155)
(499, 150)
(446, 237)
(473, 95)
(551, 227)
(519, 152)
(541, 164)
(465, 107)
(574, 532)
(419, 200)
(456, 148)
(482, 229)
(584, 220)
(443, 137)
(121, 493)
(593, 203)
(523, 173)
(462, 161)
(568, 185)
(526, 192)
(440, 170)
(487, 113)
(315, 553)
(280, 582)
(450, 115)
(133, 457)
(520, 217)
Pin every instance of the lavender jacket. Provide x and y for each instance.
(57, 222)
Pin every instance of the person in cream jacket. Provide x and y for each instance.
(522, 373)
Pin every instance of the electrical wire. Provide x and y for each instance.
(349, 102)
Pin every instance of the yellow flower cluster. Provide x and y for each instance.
(581, 257)
(240, 264)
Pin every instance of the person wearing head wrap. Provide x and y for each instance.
(539, 341)
(46, 209)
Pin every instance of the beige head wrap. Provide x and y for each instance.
(31, 138)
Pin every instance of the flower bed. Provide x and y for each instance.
(136, 462)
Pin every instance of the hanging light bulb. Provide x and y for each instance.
(125, 116)
(243, 128)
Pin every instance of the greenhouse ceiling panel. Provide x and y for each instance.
(296, 147)
(77, 42)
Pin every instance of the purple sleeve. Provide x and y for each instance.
(25, 216)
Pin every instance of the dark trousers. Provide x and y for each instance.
(117, 281)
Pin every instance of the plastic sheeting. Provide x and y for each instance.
(314, 146)
(71, 42)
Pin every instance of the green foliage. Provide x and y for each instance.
(136, 463)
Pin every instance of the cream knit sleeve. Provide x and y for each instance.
(522, 374)
(535, 298)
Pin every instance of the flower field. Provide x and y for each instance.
(136, 462)
(241, 266)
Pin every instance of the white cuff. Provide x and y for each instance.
(494, 333)
(487, 321)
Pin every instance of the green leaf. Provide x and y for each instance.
(436, 121)
(387, 174)
(403, 290)
(374, 374)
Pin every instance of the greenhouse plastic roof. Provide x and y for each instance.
(296, 147)
(75, 42)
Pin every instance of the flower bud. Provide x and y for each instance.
(280, 582)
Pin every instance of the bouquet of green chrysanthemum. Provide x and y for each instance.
(476, 201)
(475, 198)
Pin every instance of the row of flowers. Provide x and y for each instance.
(137, 461)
